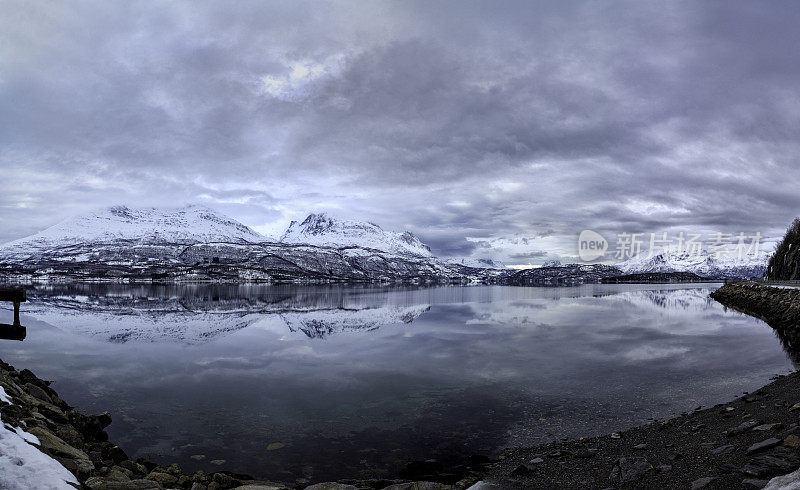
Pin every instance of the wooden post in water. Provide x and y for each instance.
(16, 314)
(15, 331)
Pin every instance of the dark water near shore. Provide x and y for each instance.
(332, 382)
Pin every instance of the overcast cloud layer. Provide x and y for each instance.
(505, 123)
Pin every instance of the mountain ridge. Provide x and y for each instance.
(702, 264)
(322, 229)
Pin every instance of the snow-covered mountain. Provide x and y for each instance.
(194, 243)
(324, 231)
(702, 264)
(139, 226)
(477, 263)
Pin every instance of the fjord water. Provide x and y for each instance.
(320, 383)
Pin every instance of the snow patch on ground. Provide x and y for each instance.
(23, 467)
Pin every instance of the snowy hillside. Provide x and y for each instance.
(184, 225)
(194, 243)
(325, 231)
(702, 264)
(476, 263)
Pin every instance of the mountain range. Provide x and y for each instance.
(703, 264)
(196, 243)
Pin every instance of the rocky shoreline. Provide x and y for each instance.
(741, 444)
(746, 443)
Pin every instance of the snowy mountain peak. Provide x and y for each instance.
(185, 225)
(477, 263)
(323, 230)
(702, 264)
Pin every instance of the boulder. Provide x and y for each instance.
(419, 485)
(331, 486)
(630, 469)
(55, 445)
(785, 482)
(164, 479)
(101, 483)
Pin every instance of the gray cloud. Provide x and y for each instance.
(452, 119)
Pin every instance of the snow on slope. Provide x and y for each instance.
(477, 263)
(323, 230)
(23, 466)
(702, 264)
(189, 224)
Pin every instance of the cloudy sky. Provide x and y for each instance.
(488, 128)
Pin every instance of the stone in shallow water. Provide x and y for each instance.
(632, 468)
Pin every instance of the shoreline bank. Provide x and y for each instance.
(741, 444)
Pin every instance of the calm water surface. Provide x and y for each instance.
(330, 382)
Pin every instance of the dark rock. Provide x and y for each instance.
(113, 453)
(37, 392)
(585, 453)
(728, 468)
(100, 483)
(103, 419)
(778, 463)
(522, 470)
(742, 428)
(727, 448)
(135, 468)
(164, 479)
(754, 483)
(702, 482)
(766, 444)
(629, 469)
